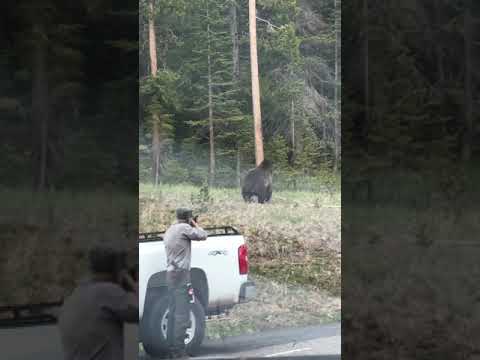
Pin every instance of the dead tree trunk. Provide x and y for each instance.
(366, 70)
(257, 116)
(239, 174)
(292, 160)
(156, 126)
(336, 118)
(438, 48)
(211, 172)
(235, 42)
(468, 132)
(40, 105)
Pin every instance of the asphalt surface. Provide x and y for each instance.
(317, 342)
(43, 342)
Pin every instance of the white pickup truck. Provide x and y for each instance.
(219, 273)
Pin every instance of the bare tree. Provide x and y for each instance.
(292, 129)
(366, 50)
(467, 138)
(211, 168)
(235, 70)
(155, 116)
(40, 101)
(235, 42)
(257, 116)
(336, 119)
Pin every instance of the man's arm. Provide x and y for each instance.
(123, 306)
(195, 232)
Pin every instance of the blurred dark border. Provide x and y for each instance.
(410, 154)
(68, 147)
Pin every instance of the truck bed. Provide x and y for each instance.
(212, 231)
(215, 267)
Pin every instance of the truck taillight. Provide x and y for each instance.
(243, 259)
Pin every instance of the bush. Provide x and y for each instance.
(202, 200)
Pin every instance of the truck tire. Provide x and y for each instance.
(153, 328)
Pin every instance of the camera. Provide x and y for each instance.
(129, 279)
(194, 218)
(130, 274)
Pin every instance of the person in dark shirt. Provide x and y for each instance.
(177, 241)
(92, 317)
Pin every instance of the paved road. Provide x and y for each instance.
(42, 342)
(321, 342)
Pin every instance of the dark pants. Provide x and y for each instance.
(179, 309)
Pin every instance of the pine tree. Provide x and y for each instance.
(157, 86)
(210, 72)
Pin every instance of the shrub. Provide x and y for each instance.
(202, 200)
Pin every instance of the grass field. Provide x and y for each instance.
(294, 250)
(294, 245)
(44, 239)
(295, 222)
(412, 300)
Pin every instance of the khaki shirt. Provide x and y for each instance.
(91, 321)
(178, 248)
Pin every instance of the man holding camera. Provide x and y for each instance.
(177, 242)
(92, 318)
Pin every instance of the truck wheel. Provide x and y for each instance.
(153, 328)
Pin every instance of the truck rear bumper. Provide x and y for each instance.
(247, 292)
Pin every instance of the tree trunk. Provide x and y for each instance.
(438, 48)
(257, 116)
(468, 136)
(152, 43)
(239, 175)
(293, 131)
(40, 105)
(337, 113)
(235, 42)
(156, 149)
(211, 177)
(366, 50)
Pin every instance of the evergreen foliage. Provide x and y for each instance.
(58, 110)
(196, 43)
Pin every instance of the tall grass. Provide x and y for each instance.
(45, 238)
(406, 258)
(294, 250)
(297, 231)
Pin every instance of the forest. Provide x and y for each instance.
(410, 136)
(69, 94)
(410, 114)
(196, 122)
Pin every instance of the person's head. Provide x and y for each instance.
(107, 262)
(184, 215)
